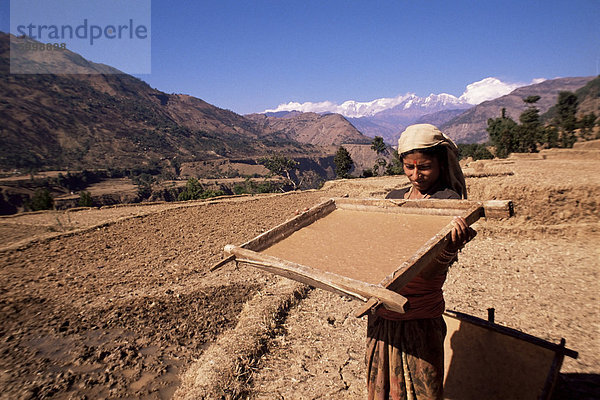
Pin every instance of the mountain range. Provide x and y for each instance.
(391, 122)
(470, 126)
(101, 118)
(327, 131)
(457, 116)
(98, 120)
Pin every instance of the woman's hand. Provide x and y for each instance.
(461, 234)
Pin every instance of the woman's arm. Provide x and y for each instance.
(460, 235)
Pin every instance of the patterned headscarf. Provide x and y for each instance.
(426, 136)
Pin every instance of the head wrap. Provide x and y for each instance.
(426, 136)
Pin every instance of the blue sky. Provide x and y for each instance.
(248, 56)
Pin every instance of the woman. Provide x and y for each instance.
(405, 352)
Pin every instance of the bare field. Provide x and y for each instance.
(119, 302)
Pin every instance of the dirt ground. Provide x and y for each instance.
(120, 302)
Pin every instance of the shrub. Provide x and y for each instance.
(251, 187)
(193, 190)
(41, 200)
(85, 199)
(367, 173)
(475, 150)
(395, 166)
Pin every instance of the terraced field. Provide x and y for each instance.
(120, 302)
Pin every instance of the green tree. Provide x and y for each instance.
(343, 163)
(566, 108)
(379, 146)
(567, 139)
(379, 163)
(395, 166)
(565, 119)
(176, 165)
(529, 131)
(531, 99)
(85, 199)
(41, 200)
(476, 151)
(167, 194)
(144, 191)
(367, 173)
(502, 134)
(282, 166)
(587, 125)
(550, 136)
(144, 183)
(193, 190)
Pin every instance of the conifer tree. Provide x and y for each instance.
(550, 136)
(379, 146)
(566, 108)
(587, 125)
(394, 167)
(343, 163)
(529, 132)
(502, 134)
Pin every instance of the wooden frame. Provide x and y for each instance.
(374, 295)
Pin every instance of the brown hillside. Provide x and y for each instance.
(328, 131)
(364, 157)
(312, 128)
(589, 98)
(470, 126)
(115, 120)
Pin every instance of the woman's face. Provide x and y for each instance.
(422, 170)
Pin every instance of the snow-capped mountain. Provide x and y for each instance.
(357, 109)
(385, 117)
(391, 122)
(415, 106)
(388, 117)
